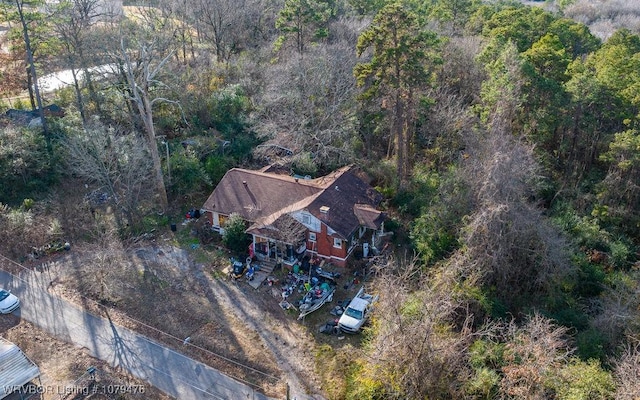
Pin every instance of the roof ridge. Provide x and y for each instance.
(290, 208)
(322, 182)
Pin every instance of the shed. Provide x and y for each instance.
(16, 369)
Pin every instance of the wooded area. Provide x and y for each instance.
(504, 137)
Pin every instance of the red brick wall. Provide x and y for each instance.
(341, 252)
(325, 242)
(209, 216)
(324, 246)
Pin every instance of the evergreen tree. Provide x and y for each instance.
(304, 21)
(403, 63)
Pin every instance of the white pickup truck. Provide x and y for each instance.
(357, 312)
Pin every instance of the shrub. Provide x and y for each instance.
(591, 344)
(188, 175)
(303, 164)
(216, 167)
(484, 384)
(583, 380)
(26, 168)
(234, 237)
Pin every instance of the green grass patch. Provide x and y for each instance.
(333, 366)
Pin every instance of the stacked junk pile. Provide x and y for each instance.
(314, 285)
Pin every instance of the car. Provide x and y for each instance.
(8, 302)
(357, 312)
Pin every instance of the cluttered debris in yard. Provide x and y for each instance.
(316, 296)
(192, 214)
(238, 269)
(49, 248)
(330, 327)
(309, 289)
(305, 286)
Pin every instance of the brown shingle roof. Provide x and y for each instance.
(255, 194)
(262, 198)
(368, 216)
(344, 192)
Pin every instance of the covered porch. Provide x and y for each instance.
(284, 240)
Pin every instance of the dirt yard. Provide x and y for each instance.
(231, 326)
(63, 368)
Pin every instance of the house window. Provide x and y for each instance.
(312, 236)
(337, 243)
(221, 219)
(306, 219)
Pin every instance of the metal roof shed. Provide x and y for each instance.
(16, 369)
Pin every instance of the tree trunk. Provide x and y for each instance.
(146, 113)
(32, 73)
(93, 94)
(140, 95)
(79, 99)
(399, 136)
(32, 98)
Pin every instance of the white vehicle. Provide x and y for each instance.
(8, 302)
(357, 312)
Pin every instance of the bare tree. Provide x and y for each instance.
(116, 161)
(309, 104)
(448, 119)
(619, 308)
(103, 278)
(533, 353)
(76, 20)
(444, 126)
(145, 50)
(218, 20)
(627, 372)
(507, 240)
(604, 18)
(414, 350)
(141, 95)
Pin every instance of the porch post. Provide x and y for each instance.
(253, 245)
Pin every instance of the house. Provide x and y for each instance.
(328, 216)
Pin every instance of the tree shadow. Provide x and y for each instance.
(123, 355)
(9, 321)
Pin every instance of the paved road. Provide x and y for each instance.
(167, 370)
